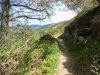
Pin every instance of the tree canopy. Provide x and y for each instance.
(21, 10)
(79, 5)
(29, 9)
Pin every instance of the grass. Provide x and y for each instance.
(57, 29)
(50, 63)
(73, 48)
(13, 51)
(50, 51)
(58, 25)
(25, 54)
(87, 57)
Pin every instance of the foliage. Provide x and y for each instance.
(39, 8)
(50, 50)
(87, 57)
(50, 63)
(13, 49)
(79, 5)
(20, 12)
(71, 46)
(57, 29)
(21, 51)
(96, 66)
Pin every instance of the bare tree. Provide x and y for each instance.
(22, 10)
(5, 17)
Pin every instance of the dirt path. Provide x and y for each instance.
(65, 63)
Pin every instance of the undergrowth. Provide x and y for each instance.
(87, 57)
(50, 50)
(25, 52)
(14, 48)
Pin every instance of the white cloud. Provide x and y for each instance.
(58, 17)
(62, 15)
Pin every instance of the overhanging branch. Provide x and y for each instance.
(28, 18)
(38, 10)
(18, 12)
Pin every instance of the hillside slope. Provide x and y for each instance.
(57, 29)
(82, 37)
(86, 23)
(41, 27)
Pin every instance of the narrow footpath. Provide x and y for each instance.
(65, 62)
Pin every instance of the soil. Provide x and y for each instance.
(65, 62)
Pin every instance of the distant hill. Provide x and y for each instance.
(35, 27)
(41, 27)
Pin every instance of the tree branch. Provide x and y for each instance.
(18, 12)
(27, 17)
(38, 10)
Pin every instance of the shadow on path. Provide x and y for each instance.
(65, 63)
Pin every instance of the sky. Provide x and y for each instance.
(58, 17)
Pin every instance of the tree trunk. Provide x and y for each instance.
(5, 18)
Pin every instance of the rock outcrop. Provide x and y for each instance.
(85, 24)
